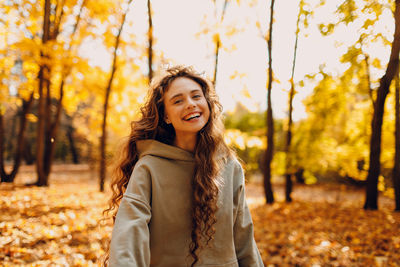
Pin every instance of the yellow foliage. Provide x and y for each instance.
(245, 92)
(258, 25)
(2, 106)
(215, 37)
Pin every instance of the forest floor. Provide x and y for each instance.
(325, 225)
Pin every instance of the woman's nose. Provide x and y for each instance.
(190, 103)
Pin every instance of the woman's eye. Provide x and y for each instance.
(178, 101)
(196, 96)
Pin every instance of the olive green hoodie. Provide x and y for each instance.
(153, 223)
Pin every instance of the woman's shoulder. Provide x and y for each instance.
(233, 168)
(233, 162)
(147, 162)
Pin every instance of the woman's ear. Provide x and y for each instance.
(167, 120)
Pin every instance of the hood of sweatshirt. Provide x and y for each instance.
(159, 149)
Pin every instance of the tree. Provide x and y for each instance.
(352, 144)
(396, 167)
(16, 90)
(66, 71)
(217, 40)
(367, 70)
(371, 197)
(270, 120)
(288, 175)
(217, 30)
(48, 122)
(44, 82)
(40, 52)
(9, 177)
(103, 138)
(290, 170)
(70, 135)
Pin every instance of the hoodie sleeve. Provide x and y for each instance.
(246, 248)
(130, 242)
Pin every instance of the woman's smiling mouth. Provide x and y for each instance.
(191, 116)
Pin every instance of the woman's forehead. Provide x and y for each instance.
(182, 84)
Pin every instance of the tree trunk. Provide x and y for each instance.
(299, 176)
(150, 41)
(52, 131)
(2, 170)
(396, 168)
(27, 153)
(19, 150)
(289, 171)
(70, 135)
(10, 143)
(270, 121)
(217, 46)
(44, 80)
(103, 138)
(370, 92)
(40, 132)
(367, 71)
(371, 198)
(72, 147)
(104, 133)
(288, 176)
(47, 138)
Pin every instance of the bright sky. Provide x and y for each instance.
(177, 24)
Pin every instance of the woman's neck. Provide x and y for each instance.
(186, 142)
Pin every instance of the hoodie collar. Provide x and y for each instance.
(162, 150)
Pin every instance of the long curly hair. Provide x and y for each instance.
(209, 154)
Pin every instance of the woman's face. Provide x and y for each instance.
(186, 107)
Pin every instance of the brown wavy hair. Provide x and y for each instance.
(209, 154)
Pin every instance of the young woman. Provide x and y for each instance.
(178, 193)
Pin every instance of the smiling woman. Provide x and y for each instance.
(178, 192)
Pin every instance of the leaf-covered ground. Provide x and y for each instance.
(324, 226)
(327, 227)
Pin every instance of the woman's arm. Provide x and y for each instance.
(246, 249)
(130, 245)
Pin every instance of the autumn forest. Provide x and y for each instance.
(311, 96)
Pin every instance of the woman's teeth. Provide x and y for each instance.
(192, 116)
